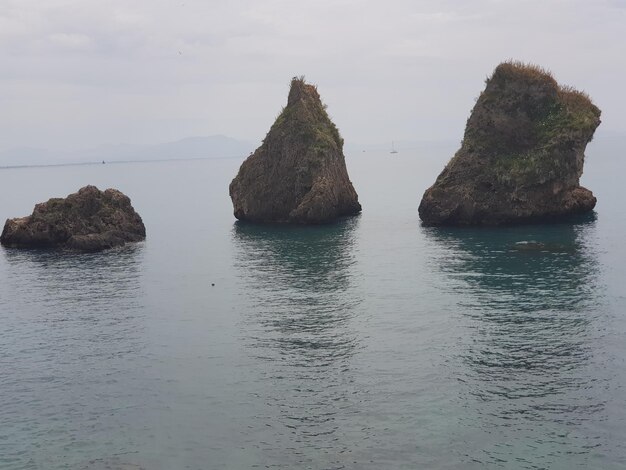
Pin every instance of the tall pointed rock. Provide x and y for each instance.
(298, 175)
(522, 154)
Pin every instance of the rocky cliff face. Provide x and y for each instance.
(89, 220)
(298, 174)
(521, 157)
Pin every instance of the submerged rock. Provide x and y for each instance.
(89, 220)
(521, 157)
(298, 174)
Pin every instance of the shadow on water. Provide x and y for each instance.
(299, 279)
(529, 359)
(520, 269)
(312, 258)
(70, 335)
(80, 284)
(300, 301)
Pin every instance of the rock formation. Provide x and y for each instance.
(521, 157)
(89, 220)
(298, 174)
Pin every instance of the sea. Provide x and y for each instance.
(372, 343)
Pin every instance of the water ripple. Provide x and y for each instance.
(298, 285)
(530, 359)
(72, 324)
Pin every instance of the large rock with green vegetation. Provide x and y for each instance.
(298, 175)
(89, 220)
(521, 157)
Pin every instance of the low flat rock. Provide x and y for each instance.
(89, 220)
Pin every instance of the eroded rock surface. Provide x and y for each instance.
(89, 220)
(521, 157)
(298, 174)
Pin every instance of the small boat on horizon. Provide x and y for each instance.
(393, 149)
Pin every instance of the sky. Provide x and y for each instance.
(81, 73)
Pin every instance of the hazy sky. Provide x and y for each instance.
(79, 73)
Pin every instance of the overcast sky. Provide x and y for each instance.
(79, 73)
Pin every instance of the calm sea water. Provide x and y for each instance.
(374, 343)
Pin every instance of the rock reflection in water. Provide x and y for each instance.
(531, 318)
(529, 268)
(69, 339)
(73, 281)
(300, 305)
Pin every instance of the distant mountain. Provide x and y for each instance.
(425, 146)
(219, 146)
(216, 146)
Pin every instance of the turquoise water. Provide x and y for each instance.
(374, 343)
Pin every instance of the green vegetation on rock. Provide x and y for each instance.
(88, 220)
(306, 120)
(526, 135)
(298, 174)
